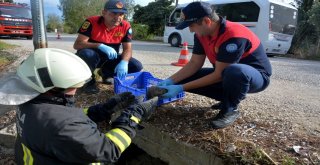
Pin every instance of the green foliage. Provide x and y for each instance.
(75, 12)
(5, 57)
(54, 22)
(288, 161)
(314, 16)
(255, 156)
(4, 46)
(11, 1)
(3, 61)
(306, 42)
(67, 29)
(140, 32)
(153, 15)
(304, 28)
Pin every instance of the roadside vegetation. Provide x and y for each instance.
(5, 57)
(306, 41)
(147, 21)
(141, 32)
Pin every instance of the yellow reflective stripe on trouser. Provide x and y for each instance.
(119, 138)
(85, 111)
(27, 157)
(135, 119)
(95, 163)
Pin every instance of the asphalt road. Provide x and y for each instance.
(292, 70)
(293, 94)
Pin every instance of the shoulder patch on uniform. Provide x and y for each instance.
(85, 25)
(231, 48)
(130, 31)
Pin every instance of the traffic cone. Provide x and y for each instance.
(183, 59)
(58, 36)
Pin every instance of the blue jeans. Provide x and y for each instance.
(97, 59)
(237, 81)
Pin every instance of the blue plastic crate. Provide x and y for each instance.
(138, 83)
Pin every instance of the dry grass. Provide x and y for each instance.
(307, 50)
(6, 58)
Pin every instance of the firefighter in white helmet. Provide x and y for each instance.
(50, 130)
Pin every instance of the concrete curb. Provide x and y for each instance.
(8, 136)
(150, 139)
(6, 108)
(164, 147)
(156, 143)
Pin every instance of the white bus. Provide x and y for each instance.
(274, 22)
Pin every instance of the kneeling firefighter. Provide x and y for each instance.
(50, 129)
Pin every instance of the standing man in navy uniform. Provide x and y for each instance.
(98, 44)
(240, 64)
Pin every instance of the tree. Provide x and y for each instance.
(153, 15)
(305, 30)
(138, 13)
(314, 15)
(130, 6)
(54, 22)
(75, 12)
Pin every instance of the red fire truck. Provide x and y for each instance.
(15, 20)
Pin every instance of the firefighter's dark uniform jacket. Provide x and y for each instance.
(50, 133)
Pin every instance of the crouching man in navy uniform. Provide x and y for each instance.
(240, 64)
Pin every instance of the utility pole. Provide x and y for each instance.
(39, 30)
(177, 2)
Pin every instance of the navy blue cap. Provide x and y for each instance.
(193, 12)
(116, 6)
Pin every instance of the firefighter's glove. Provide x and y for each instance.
(133, 115)
(109, 51)
(117, 103)
(122, 69)
(147, 108)
(166, 82)
(155, 91)
(173, 90)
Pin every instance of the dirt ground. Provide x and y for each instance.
(247, 141)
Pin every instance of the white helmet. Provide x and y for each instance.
(48, 68)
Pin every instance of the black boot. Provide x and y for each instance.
(105, 79)
(91, 87)
(224, 119)
(108, 81)
(217, 106)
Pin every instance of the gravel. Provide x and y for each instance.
(285, 115)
